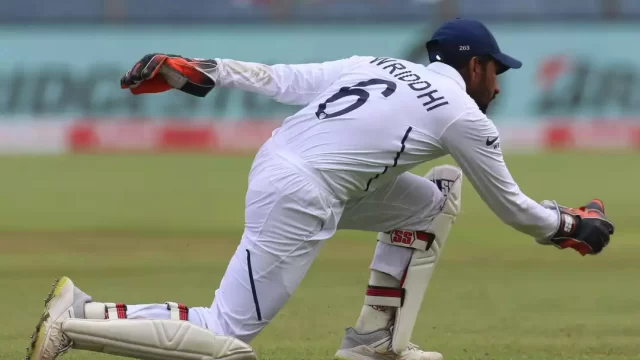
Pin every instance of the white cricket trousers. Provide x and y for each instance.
(288, 215)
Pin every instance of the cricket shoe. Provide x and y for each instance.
(64, 302)
(377, 346)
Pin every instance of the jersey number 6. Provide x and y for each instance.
(355, 90)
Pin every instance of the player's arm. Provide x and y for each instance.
(289, 84)
(473, 141)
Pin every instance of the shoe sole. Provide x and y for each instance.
(350, 355)
(38, 336)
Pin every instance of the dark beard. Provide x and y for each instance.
(482, 107)
(476, 95)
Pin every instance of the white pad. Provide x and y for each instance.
(426, 253)
(95, 310)
(154, 340)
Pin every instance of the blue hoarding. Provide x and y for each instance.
(578, 71)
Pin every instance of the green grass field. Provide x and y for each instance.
(141, 229)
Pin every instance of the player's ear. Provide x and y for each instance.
(476, 66)
(472, 70)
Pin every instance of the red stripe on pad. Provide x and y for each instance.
(122, 311)
(424, 236)
(183, 312)
(384, 292)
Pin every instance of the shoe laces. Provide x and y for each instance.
(63, 349)
(410, 347)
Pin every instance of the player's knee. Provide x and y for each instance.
(229, 324)
(241, 329)
(431, 205)
(434, 224)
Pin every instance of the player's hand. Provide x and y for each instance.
(156, 73)
(585, 229)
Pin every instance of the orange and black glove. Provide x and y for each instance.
(156, 73)
(584, 229)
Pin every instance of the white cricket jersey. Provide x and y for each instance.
(367, 120)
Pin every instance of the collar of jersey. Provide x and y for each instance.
(448, 71)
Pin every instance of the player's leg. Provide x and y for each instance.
(413, 216)
(286, 219)
(71, 320)
(280, 242)
(257, 284)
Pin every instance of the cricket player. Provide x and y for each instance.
(341, 162)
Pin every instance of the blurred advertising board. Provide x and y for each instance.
(244, 137)
(584, 73)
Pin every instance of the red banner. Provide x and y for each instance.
(222, 137)
(593, 135)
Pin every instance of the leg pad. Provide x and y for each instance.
(154, 340)
(428, 246)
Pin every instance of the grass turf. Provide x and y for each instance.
(140, 229)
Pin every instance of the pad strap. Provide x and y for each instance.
(420, 240)
(178, 311)
(115, 311)
(384, 296)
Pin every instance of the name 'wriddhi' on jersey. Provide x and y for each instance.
(414, 81)
(378, 119)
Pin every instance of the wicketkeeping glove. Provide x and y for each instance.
(584, 229)
(156, 73)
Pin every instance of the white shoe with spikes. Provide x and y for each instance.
(377, 346)
(48, 341)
